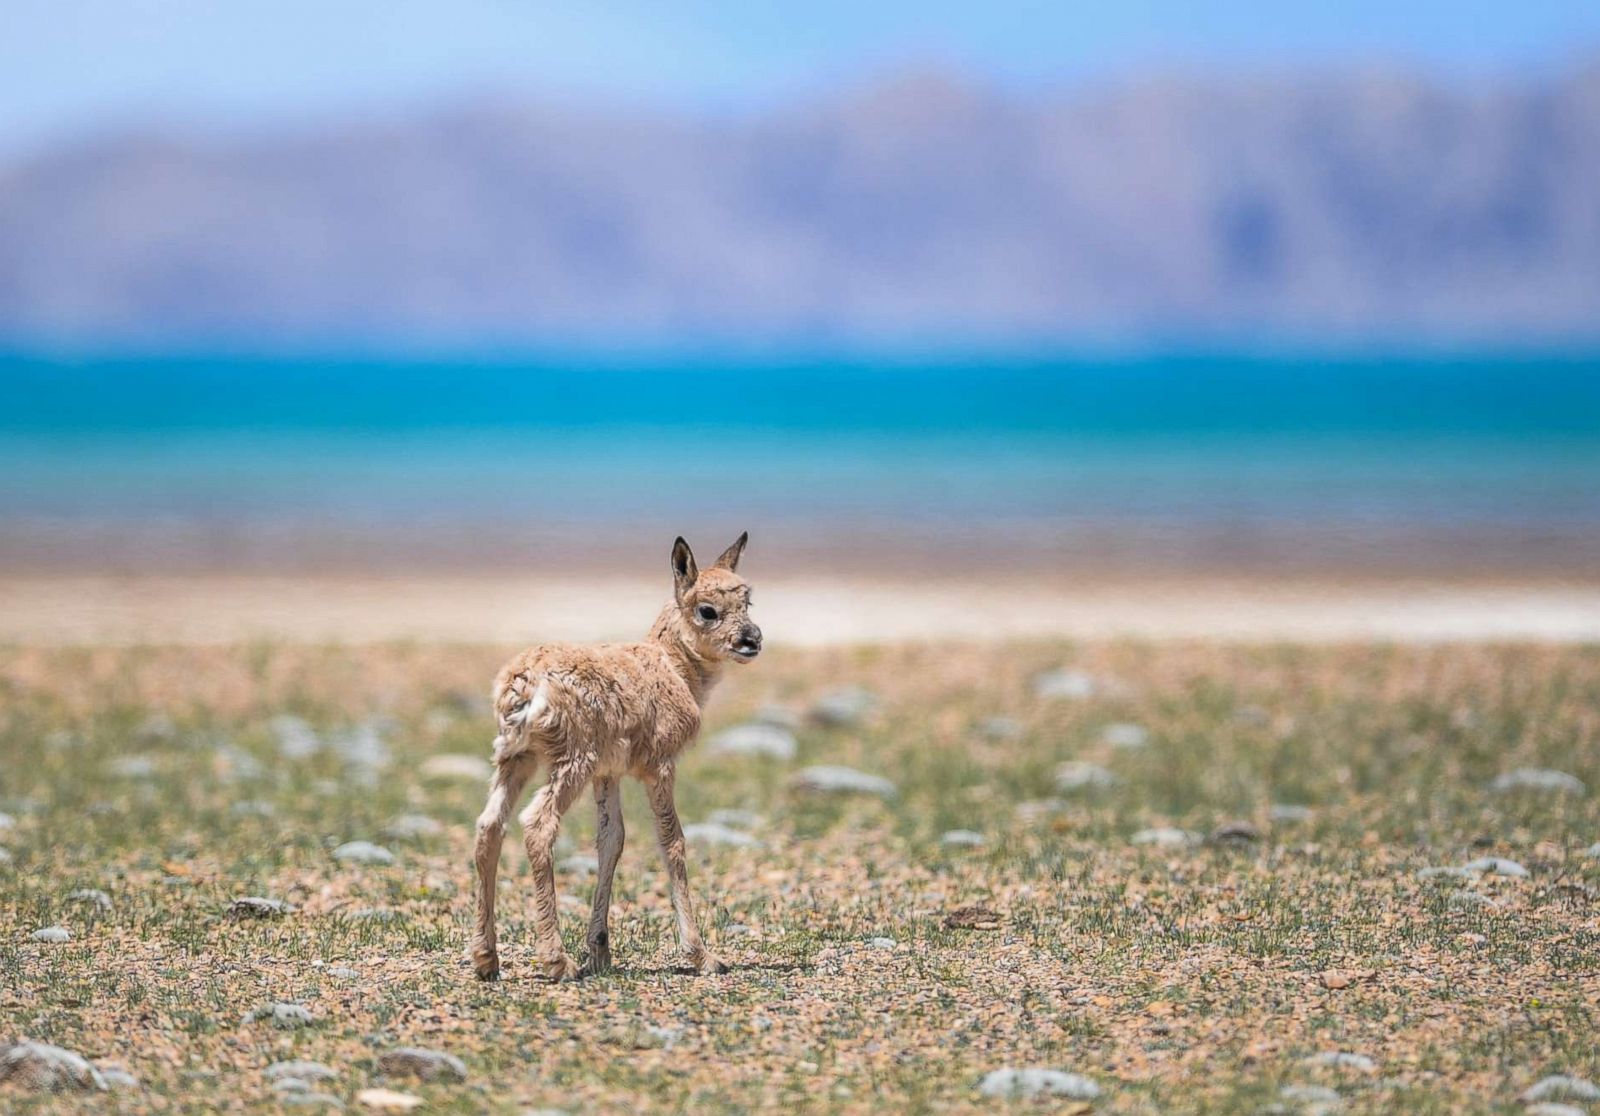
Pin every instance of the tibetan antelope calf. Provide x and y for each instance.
(593, 715)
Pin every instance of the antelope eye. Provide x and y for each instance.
(707, 613)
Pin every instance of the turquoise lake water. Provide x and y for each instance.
(1179, 461)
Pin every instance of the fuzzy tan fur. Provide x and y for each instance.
(592, 715)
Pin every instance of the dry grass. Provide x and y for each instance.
(1196, 979)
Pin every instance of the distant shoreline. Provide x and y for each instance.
(811, 612)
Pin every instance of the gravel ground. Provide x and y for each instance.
(1284, 942)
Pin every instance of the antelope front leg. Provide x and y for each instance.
(541, 822)
(674, 854)
(608, 847)
(504, 790)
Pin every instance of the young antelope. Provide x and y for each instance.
(593, 715)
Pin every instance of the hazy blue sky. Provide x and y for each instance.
(68, 65)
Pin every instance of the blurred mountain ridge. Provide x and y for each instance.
(1368, 203)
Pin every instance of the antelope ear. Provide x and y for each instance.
(730, 557)
(684, 571)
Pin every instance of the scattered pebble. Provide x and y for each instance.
(1593, 851)
(1167, 837)
(296, 738)
(1562, 1087)
(1125, 735)
(783, 716)
(363, 852)
(1443, 872)
(1235, 833)
(1069, 685)
(713, 833)
(737, 819)
(291, 1085)
(882, 943)
(1538, 779)
(257, 906)
(833, 779)
(1000, 728)
(1078, 775)
(755, 739)
(283, 1016)
(132, 767)
(116, 1076)
(456, 766)
(1340, 1059)
(310, 1100)
(1038, 809)
(1551, 1108)
(411, 827)
(304, 1070)
(388, 1100)
(1289, 813)
(7, 822)
(46, 1068)
(420, 1062)
(844, 707)
(1495, 866)
(55, 935)
(962, 838)
(1037, 1083)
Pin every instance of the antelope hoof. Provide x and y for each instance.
(560, 968)
(486, 963)
(709, 963)
(598, 961)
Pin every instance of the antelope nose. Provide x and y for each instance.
(750, 636)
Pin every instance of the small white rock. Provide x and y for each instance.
(304, 1070)
(55, 935)
(962, 838)
(132, 767)
(1031, 1082)
(1000, 728)
(46, 1068)
(755, 739)
(1125, 735)
(834, 779)
(1538, 779)
(258, 906)
(1562, 1087)
(363, 852)
(90, 896)
(1443, 872)
(409, 827)
(1341, 1059)
(843, 707)
(1167, 837)
(1496, 866)
(387, 1100)
(1552, 1108)
(1078, 775)
(1064, 685)
(711, 833)
(283, 1016)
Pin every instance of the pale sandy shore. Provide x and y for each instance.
(348, 609)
